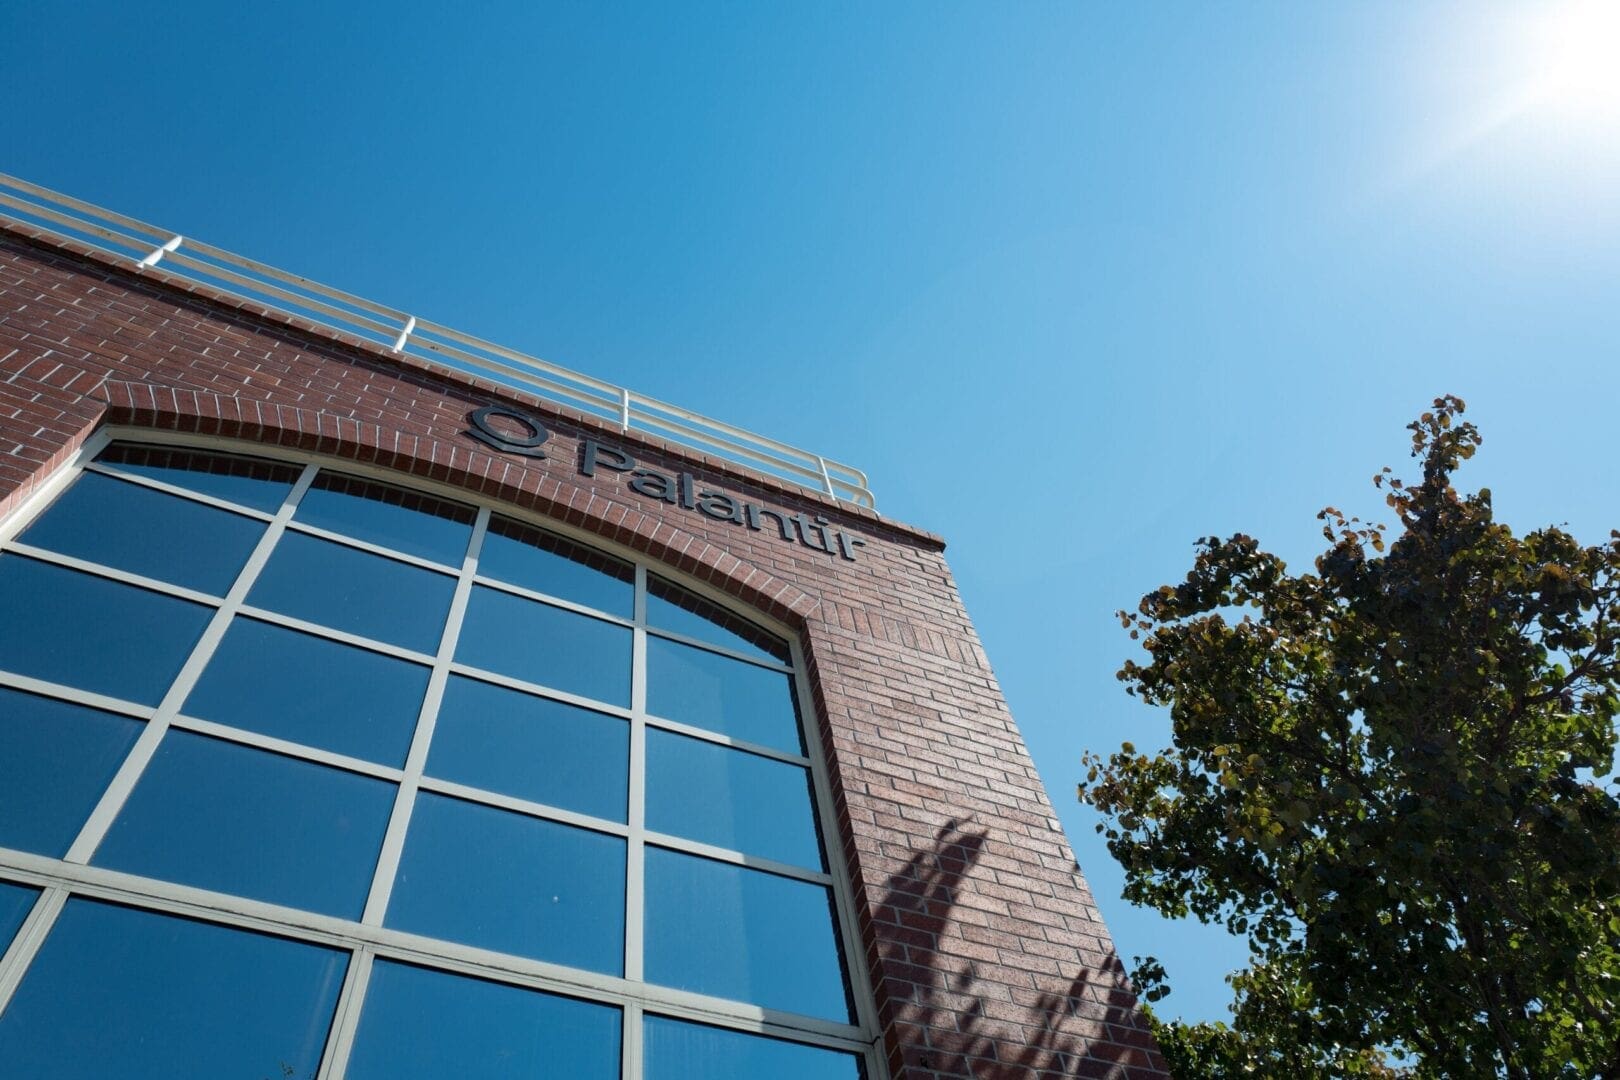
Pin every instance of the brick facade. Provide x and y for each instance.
(987, 955)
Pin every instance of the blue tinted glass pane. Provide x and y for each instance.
(742, 934)
(55, 761)
(15, 903)
(517, 884)
(147, 532)
(122, 993)
(717, 693)
(545, 563)
(261, 485)
(428, 1024)
(522, 745)
(675, 609)
(306, 689)
(356, 591)
(730, 798)
(679, 1051)
(237, 820)
(547, 645)
(85, 631)
(416, 524)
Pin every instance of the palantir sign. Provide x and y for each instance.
(680, 490)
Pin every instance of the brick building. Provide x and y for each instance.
(635, 759)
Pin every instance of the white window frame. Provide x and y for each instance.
(368, 939)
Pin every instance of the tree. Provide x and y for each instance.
(1389, 774)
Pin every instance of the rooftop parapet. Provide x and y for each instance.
(145, 246)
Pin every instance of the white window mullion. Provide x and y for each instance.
(630, 1067)
(516, 805)
(346, 1021)
(284, 747)
(58, 692)
(495, 678)
(736, 858)
(551, 601)
(30, 936)
(635, 846)
(392, 554)
(304, 626)
(757, 749)
(382, 882)
(722, 650)
(112, 573)
(177, 491)
(112, 801)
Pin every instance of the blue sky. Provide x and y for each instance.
(1075, 284)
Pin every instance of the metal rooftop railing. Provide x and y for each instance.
(144, 246)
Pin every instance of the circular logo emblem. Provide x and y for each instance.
(527, 445)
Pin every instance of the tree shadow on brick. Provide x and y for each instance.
(943, 1019)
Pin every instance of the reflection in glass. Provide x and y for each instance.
(675, 609)
(531, 748)
(680, 1051)
(306, 689)
(346, 589)
(91, 633)
(420, 1023)
(147, 532)
(55, 761)
(742, 934)
(547, 645)
(233, 819)
(250, 482)
(732, 697)
(15, 903)
(500, 880)
(117, 992)
(730, 798)
(382, 514)
(537, 560)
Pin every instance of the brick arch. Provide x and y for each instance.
(263, 423)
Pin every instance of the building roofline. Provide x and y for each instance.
(143, 246)
(155, 277)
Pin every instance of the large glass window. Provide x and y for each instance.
(240, 820)
(532, 748)
(439, 792)
(429, 1024)
(677, 1051)
(733, 932)
(291, 685)
(91, 633)
(56, 758)
(119, 992)
(513, 883)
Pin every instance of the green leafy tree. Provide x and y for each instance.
(1389, 774)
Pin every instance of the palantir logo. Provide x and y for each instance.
(490, 435)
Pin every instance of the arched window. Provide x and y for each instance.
(307, 775)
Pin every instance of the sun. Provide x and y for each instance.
(1542, 80)
(1576, 58)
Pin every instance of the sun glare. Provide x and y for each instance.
(1533, 89)
(1578, 59)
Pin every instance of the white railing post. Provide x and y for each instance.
(826, 477)
(173, 244)
(404, 335)
(624, 408)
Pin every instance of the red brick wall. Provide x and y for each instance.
(986, 951)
